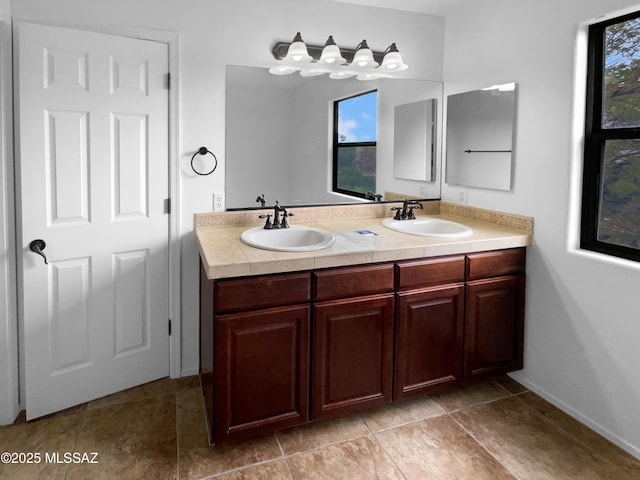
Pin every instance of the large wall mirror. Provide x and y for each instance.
(480, 126)
(279, 137)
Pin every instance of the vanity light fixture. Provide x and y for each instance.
(313, 60)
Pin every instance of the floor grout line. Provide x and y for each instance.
(388, 454)
(483, 446)
(75, 442)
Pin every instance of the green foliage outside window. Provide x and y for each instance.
(619, 212)
(357, 169)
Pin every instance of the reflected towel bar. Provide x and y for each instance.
(487, 151)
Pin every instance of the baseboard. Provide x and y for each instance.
(606, 433)
(187, 372)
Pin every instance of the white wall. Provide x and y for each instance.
(582, 320)
(238, 32)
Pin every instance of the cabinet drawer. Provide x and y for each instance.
(429, 272)
(352, 281)
(497, 262)
(264, 291)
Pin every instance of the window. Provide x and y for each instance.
(355, 130)
(611, 182)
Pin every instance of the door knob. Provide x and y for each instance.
(37, 246)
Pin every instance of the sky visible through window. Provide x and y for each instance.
(621, 81)
(358, 119)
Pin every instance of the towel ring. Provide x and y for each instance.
(204, 151)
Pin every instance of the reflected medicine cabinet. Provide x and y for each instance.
(480, 129)
(414, 141)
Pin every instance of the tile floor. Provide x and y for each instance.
(491, 430)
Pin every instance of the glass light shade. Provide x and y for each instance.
(311, 72)
(282, 70)
(341, 75)
(367, 76)
(297, 51)
(331, 53)
(363, 56)
(506, 87)
(393, 60)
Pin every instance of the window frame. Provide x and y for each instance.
(337, 145)
(595, 139)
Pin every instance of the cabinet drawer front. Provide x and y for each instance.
(265, 291)
(352, 281)
(498, 262)
(429, 272)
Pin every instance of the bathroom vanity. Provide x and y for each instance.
(291, 338)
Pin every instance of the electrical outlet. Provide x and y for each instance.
(218, 202)
(462, 197)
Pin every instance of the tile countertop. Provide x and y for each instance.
(224, 255)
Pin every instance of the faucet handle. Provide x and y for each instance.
(267, 224)
(285, 214)
(398, 215)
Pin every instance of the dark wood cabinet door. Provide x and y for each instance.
(261, 371)
(352, 355)
(494, 326)
(429, 332)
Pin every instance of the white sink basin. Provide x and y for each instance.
(296, 238)
(429, 227)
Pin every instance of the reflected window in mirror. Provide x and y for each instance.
(355, 132)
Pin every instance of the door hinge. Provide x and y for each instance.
(169, 327)
(168, 81)
(167, 205)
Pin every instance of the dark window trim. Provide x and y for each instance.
(595, 140)
(337, 145)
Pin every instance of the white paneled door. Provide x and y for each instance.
(93, 146)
